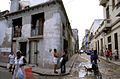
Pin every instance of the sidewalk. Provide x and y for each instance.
(49, 72)
(111, 61)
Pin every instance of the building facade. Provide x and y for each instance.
(89, 38)
(108, 33)
(5, 37)
(38, 29)
(110, 29)
(85, 41)
(76, 37)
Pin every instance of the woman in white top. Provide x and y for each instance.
(19, 66)
(11, 61)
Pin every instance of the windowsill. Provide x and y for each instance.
(36, 37)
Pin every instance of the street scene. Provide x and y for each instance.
(60, 39)
(107, 70)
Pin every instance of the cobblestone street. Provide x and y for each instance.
(108, 70)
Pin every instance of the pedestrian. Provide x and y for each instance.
(55, 59)
(92, 55)
(107, 53)
(19, 66)
(95, 56)
(110, 54)
(115, 54)
(64, 60)
(11, 58)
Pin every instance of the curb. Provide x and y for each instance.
(41, 74)
(58, 74)
(3, 66)
(108, 61)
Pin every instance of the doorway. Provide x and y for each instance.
(23, 47)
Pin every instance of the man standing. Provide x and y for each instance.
(55, 59)
(65, 59)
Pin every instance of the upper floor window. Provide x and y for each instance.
(17, 26)
(113, 4)
(37, 24)
(109, 39)
(107, 14)
(118, 4)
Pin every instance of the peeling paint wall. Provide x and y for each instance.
(52, 33)
(5, 40)
(5, 33)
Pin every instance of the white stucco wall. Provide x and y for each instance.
(52, 35)
(5, 30)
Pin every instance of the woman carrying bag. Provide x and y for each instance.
(19, 66)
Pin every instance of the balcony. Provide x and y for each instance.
(106, 26)
(103, 2)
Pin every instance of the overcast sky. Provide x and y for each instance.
(81, 13)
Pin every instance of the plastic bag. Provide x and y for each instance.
(61, 59)
(19, 74)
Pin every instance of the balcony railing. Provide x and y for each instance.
(103, 2)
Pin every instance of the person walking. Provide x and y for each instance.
(95, 58)
(116, 55)
(107, 53)
(92, 55)
(55, 59)
(64, 60)
(11, 58)
(19, 66)
(110, 54)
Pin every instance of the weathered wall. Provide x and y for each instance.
(5, 40)
(52, 33)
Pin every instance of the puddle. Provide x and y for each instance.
(87, 64)
(82, 73)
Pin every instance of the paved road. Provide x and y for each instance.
(4, 74)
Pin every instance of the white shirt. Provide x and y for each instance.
(11, 57)
(19, 61)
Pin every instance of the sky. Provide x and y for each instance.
(81, 13)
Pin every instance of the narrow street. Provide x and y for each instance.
(107, 70)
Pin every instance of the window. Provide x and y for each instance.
(17, 26)
(107, 14)
(37, 24)
(98, 46)
(109, 39)
(116, 40)
(113, 4)
(63, 30)
(118, 4)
